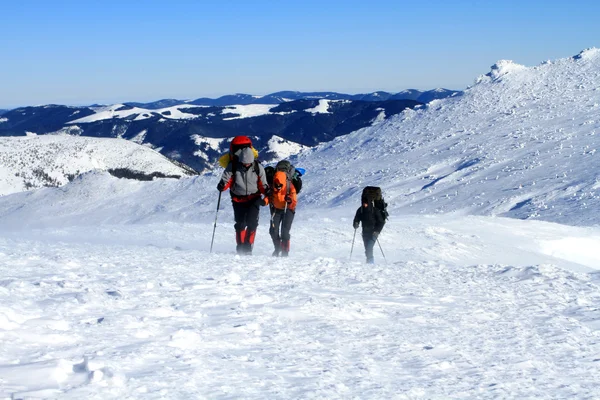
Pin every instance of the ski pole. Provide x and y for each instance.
(215, 226)
(352, 248)
(381, 250)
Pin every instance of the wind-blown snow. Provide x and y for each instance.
(108, 290)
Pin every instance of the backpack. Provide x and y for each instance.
(373, 194)
(292, 173)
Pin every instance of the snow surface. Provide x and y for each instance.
(283, 148)
(247, 111)
(112, 111)
(108, 289)
(321, 108)
(3, 120)
(205, 143)
(37, 161)
(522, 142)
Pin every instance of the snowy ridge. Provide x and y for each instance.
(521, 142)
(247, 111)
(136, 113)
(37, 161)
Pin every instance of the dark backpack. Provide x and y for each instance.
(372, 194)
(292, 173)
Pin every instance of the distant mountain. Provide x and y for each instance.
(196, 135)
(285, 96)
(36, 161)
(155, 105)
(3, 111)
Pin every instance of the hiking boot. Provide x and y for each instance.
(275, 253)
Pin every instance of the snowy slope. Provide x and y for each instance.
(522, 142)
(108, 290)
(37, 161)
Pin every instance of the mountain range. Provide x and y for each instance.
(288, 95)
(196, 133)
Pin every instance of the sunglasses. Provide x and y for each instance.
(278, 186)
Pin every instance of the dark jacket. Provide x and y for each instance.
(370, 217)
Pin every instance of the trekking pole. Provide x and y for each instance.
(353, 237)
(381, 251)
(215, 226)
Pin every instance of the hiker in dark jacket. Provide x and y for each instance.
(245, 178)
(372, 223)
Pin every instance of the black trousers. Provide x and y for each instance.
(281, 224)
(246, 220)
(369, 242)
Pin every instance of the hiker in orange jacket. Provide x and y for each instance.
(283, 200)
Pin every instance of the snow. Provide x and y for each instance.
(523, 144)
(247, 111)
(112, 111)
(178, 112)
(283, 148)
(140, 137)
(206, 143)
(108, 289)
(379, 118)
(3, 120)
(322, 108)
(54, 160)
(109, 112)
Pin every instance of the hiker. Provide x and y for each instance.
(283, 200)
(372, 219)
(245, 178)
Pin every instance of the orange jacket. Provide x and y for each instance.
(277, 198)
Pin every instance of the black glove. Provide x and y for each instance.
(288, 199)
(355, 225)
(263, 202)
(221, 186)
(375, 234)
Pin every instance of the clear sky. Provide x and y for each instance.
(84, 52)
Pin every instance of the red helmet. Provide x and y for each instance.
(239, 142)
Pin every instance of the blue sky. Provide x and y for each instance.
(83, 52)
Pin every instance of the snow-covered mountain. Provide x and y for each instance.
(290, 95)
(521, 142)
(32, 162)
(108, 289)
(175, 130)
